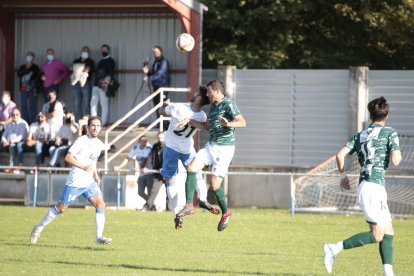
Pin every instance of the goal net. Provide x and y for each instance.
(319, 191)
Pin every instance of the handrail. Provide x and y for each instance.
(160, 120)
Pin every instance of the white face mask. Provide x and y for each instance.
(5, 100)
(29, 58)
(50, 57)
(85, 55)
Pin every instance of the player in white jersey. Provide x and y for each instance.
(179, 146)
(83, 180)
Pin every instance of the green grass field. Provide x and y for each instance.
(257, 242)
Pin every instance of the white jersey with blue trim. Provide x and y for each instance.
(140, 154)
(181, 139)
(86, 150)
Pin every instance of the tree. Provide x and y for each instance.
(309, 34)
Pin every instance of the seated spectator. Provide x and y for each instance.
(54, 111)
(14, 136)
(83, 125)
(6, 107)
(65, 137)
(38, 138)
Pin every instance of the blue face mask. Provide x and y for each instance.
(50, 57)
(84, 55)
(29, 58)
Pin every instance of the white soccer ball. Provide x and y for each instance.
(185, 42)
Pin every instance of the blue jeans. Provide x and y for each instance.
(38, 149)
(28, 100)
(82, 99)
(16, 148)
(56, 153)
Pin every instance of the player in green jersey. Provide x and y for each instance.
(375, 147)
(223, 118)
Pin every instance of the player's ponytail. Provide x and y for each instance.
(378, 109)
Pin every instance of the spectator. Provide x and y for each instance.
(65, 137)
(6, 108)
(29, 82)
(103, 74)
(54, 111)
(83, 125)
(156, 163)
(53, 72)
(141, 154)
(82, 85)
(38, 138)
(158, 74)
(14, 136)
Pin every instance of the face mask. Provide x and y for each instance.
(105, 54)
(85, 55)
(29, 58)
(50, 57)
(5, 100)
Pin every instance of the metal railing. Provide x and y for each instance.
(159, 121)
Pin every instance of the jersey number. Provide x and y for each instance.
(180, 132)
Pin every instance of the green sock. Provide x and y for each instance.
(386, 249)
(190, 186)
(359, 240)
(221, 199)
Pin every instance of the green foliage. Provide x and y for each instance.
(309, 34)
(257, 242)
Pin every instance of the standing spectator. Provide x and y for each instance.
(65, 137)
(158, 74)
(6, 109)
(156, 163)
(14, 136)
(38, 138)
(82, 68)
(29, 82)
(141, 153)
(54, 111)
(103, 74)
(53, 72)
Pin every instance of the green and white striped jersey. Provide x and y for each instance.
(373, 146)
(219, 134)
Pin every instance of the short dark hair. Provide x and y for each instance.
(6, 92)
(203, 94)
(216, 85)
(158, 47)
(93, 118)
(142, 137)
(52, 90)
(378, 109)
(106, 46)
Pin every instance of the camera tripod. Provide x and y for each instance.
(145, 86)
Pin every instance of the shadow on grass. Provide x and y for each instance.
(185, 270)
(87, 248)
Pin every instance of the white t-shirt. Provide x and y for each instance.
(140, 154)
(39, 133)
(86, 150)
(181, 139)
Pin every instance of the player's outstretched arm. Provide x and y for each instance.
(198, 124)
(72, 161)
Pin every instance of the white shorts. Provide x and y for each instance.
(219, 157)
(372, 199)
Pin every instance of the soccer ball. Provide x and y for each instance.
(185, 42)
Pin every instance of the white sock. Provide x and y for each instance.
(100, 221)
(388, 270)
(339, 247)
(176, 196)
(201, 187)
(50, 215)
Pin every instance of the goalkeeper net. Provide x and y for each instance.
(319, 190)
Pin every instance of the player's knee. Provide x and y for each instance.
(379, 235)
(191, 168)
(60, 207)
